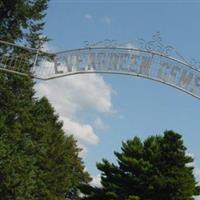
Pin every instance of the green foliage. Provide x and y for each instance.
(17, 166)
(59, 169)
(37, 160)
(154, 169)
(17, 170)
(21, 20)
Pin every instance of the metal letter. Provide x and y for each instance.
(123, 63)
(196, 85)
(56, 64)
(186, 78)
(173, 75)
(91, 61)
(145, 65)
(162, 72)
(133, 64)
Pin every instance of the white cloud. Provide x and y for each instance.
(84, 132)
(88, 17)
(130, 45)
(194, 164)
(107, 20)
(197, 173)
(190, 154)
(83, 151)
(96, 181)
(196, 170)
(99, 124)
(104, 19)
(73, 94)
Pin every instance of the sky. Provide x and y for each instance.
(101, 111)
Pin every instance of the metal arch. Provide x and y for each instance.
(192, 88)
(126, 74)
(145, 50)
(24, 47)
(38, 52)
(129, 51)
(132, 49)
(114, 72)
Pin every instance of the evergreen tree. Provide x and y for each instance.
(59, 168)
(37, 161)
(21, 20)
(17, 166)
(154, 169)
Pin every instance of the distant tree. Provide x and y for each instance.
(154, 169)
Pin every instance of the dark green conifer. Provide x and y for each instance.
(37, 161)
(59, 168)
(154, 169)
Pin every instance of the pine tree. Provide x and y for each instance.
(59, 168)
(154, 169)
(37, 161)
(17, 166)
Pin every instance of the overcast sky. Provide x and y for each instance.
(103, 110)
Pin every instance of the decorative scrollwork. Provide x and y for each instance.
(156, 45)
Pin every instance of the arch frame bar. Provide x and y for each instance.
(122, 73)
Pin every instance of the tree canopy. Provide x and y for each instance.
(37, 159)
(158, 168)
